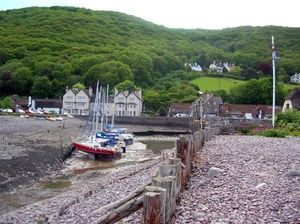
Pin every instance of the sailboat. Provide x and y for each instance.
(89, 143)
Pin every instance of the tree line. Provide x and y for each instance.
(46, 49)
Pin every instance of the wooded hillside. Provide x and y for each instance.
(45, 49)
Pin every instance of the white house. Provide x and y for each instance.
(80, 102)
(195, 67)
(77, 102)
(295, 78)
(128, 103)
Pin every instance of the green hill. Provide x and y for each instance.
(45, 49)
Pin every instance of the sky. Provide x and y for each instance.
(188, 14)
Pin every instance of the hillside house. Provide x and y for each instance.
(295, 78)
(292, 100)
(219, 67)
(194, 67)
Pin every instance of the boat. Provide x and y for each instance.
(92, 144)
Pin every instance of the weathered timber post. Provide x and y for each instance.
(169, 184)
(152, 203)
(183, 147)
(149, 211)
(178, 173)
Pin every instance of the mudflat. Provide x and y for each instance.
(33, 149)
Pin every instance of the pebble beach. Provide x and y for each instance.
(239, 179)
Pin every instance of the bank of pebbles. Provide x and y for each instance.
(257, 182)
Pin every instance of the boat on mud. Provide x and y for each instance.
(92, 143)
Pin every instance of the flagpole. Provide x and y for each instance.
(274, 81)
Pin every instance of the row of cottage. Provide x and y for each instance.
(125, 103)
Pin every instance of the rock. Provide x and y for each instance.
(213, 171)
(292, 173)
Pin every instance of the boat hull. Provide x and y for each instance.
(94, 148)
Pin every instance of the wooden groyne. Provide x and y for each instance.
(158, 199)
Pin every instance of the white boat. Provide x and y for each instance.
(90, 143)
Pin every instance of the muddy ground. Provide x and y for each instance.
(33, 150)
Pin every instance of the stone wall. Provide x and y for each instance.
(224, 123)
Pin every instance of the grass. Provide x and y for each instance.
(207, 84)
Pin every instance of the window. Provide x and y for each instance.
(69, 104)
(287, 106)
(120, 98)
(69, 97)
(131, 99)
(134, 113)
(81, 104)
(81, 97)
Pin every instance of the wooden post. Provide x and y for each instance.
(169, 183)
(147, 206)
(152, 205)
(178, 173)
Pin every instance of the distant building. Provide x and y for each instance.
(194, 67)
(292, 100)
(219, 67)
(80, 102)
(295, 78)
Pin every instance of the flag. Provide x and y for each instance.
(274, 56)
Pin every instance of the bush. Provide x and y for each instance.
(274, 133)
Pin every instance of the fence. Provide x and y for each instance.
(159, 198)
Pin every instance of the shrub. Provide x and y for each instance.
(274, 133)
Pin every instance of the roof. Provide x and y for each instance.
(181, 105)
(49, 103)
(294, 97)
(249, 108)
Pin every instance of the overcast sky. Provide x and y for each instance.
(188, 14)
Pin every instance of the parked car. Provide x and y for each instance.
(8, 110)
(181, 115)
(29, 111)
(20, 111)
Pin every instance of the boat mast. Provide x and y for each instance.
(113, 112)
(97, 109)
(106, 115)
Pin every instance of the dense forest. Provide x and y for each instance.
(45, 49)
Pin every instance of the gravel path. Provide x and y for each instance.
(240, 179)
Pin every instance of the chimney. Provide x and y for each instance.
(90, 91)
(67, 89)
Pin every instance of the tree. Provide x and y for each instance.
(282, 76)
(265, 68)
(78, 86)
(250, 73)
(151, 99)
(108, 73)
(127, 85)
(6, 83)
(41, 87)
(22, 81)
